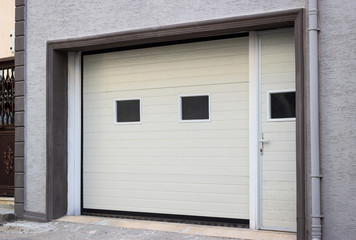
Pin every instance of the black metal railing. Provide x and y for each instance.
(7, 95)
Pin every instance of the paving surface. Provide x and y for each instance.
(7, 215)
(182, 228)
(60, 230)
(104, 228)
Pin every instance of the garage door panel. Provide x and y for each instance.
(168, 178)
(169, 161)
(91, 126)
(179, 81)
(100, 134)
(218, 75)
(162, 165)
(151, 107)
(280, 156)
(278, 176)
(166, 210)
(181, 51)
(123, 68)
(272, 87)
(283, 186)
(152, 135)
(175, 143)
(150, 120)
(180, 60)
(169, 104)
(283, 218)
(286, 127)
(159, 61)
(172, 206)
(177, 49)
(167, 195)
(286, 146)
(232, 93)
(281, 165)
(169, 117)
(186, 170)
(273, 78)
(278, 58)
(181, 152)
(241, 190)
(155, 96)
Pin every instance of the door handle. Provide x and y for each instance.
(264, 141)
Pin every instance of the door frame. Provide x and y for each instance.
(57, 83)
(74, 133)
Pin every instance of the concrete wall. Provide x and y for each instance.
(7, 20)
(338, 117)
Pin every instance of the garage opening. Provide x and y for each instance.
(183, 151)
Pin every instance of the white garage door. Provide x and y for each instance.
(165, 130)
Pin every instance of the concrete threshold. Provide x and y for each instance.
(212, 231)
(7, 202)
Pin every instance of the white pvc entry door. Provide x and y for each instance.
(161, 164)
(277, 135)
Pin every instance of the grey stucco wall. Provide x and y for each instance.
(338, 117)
(58, 19)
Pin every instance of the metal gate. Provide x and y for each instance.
(7, 128)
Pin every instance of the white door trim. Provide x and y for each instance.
(254, 130)
(74, 133)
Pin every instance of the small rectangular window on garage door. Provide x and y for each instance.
(127, 111)
(194, 108)
(281, 105)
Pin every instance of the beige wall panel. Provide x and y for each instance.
(162, 165)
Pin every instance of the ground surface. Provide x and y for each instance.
(23, 230)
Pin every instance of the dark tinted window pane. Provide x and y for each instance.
(283, 105)
(195, 108)
(128, 111)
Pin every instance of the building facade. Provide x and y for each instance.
(188, 109)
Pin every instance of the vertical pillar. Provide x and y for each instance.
(19, 106)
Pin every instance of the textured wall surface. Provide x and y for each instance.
(338, 117)
(58, 19)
